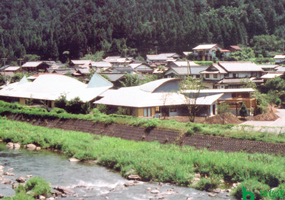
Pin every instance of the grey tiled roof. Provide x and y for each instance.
(113, 76)
(186, 71)
(233, 66)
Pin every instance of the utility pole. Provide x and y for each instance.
(4, 60)
(21, 59)
(283, 43)
(246, 40)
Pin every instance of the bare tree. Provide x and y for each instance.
(190, 88)
(164, 98)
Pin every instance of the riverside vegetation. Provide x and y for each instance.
(33, 188)
(244, 132)
(154, 161)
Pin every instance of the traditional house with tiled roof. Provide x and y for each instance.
(231, 74)
(205, 51)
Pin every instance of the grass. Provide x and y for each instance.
(245, 132)
(151, 160)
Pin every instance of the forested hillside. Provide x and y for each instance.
(50, 27)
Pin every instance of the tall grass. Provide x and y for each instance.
(229, 130)
(152, 161)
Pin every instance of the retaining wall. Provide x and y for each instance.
(212, 143)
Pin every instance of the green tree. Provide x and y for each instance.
(243, 111)
(98, 56)
(130, 80)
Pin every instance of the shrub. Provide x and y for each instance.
(251, 186)
(102, 108)
(85, 108)
(243, 110)
(122, 111)
(39, 186)
(151, 123)
(74, 105)
(189, 132)
(278, 101)
(207, 183)
(61, 102)
(96, 112)
(197, 128)
(20, 196)
(58, 110)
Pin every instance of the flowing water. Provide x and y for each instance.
(88, 181)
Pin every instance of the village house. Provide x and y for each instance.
(271, 68)
(11, 70)
(162, 59)
(231, 74)
(49, 87)
(142, 68)
(35, 66)
(115, 78)
(100, 66)
(183, 72)
(78, 63)
(205, 51)
(117, 61)
(234, 48)
(279, 59)
(160, 98)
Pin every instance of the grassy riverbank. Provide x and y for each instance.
(153, 161)
(243, 132)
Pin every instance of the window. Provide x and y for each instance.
(172, 109)
(157, 109)
(197, 76)
(207, 76)
(253, 74)
(147, 112)
(215, 75)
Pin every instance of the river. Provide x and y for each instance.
(88, 181)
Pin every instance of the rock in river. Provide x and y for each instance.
(64, 190)
(21, 180)
(134, 177)
(31, 147)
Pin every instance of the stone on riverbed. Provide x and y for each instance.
(154, 191)
(16, 146)
(8, 174)
(6, 181)
(38, 148)
(21, 180)
(73, 160)
(129, 184)
(134, 177)
(217, 190)
(31, 147)
(42, 197)
(10, 145)
(29, 176)
(211, 195)
(64, 190)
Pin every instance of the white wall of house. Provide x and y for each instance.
(212, 76)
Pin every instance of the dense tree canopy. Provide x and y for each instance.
(49, 28)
